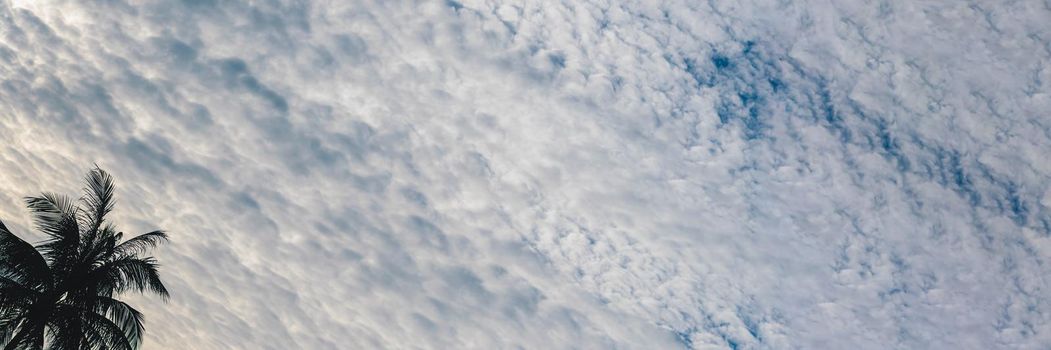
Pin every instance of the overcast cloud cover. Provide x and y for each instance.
(582, 174)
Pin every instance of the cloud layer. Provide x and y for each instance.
(397, 174)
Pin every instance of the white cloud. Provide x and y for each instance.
(474, 175)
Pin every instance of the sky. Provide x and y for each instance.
(753, 174)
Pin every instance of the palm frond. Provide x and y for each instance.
(129, 274)
(140, 244)
(65, 330)
(21, 263)
(98, 195)
(96, 202)
(10, 319)
(56, 216)
(129, 320)
(29, 335)
(104, 247)
(15, 295)
(95, 332)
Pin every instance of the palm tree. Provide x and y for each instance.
(62, 293)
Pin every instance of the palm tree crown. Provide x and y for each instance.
(62, 292)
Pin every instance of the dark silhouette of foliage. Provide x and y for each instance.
(62, 292)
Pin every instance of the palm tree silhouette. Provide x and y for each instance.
(62, 293)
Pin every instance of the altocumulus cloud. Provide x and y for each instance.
(469, 174)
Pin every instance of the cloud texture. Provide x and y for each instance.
(578, 174)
